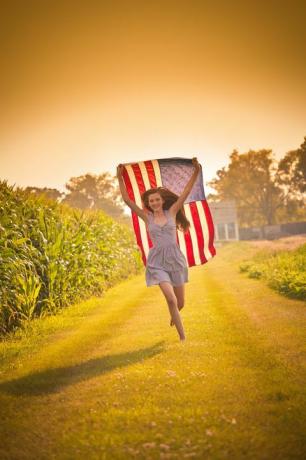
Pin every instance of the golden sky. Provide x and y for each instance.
(86, 85)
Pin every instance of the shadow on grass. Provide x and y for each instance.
(52, 380)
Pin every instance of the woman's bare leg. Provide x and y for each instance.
(180, 296)
(171, 299)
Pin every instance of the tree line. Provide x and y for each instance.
(89, 191)
(265, 191)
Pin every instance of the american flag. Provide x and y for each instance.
(198, 243)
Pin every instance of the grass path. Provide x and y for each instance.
(109, 379)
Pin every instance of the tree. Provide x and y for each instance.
(249, 180)
(95, 192)
(291, 174)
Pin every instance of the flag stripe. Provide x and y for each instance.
(210, 228)
(151, 174)
(205, 227)
(130, 191)
(156, 168)
(144, 175)
(202, 215)
(188, 241)
(146, 185)
(182, 243)
(141, 224)
(140, 185)
(200, 259)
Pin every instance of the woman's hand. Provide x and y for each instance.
(196, 164)
(122, 187)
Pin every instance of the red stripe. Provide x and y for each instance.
(198, 229)
(138, 177)
(189, 247)
(130, 191)
(141, 188)
(151, 173)
(210, 228)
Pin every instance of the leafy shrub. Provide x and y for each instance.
(283, 270)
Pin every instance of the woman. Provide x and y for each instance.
(166, 264)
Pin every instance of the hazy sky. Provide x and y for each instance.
(87, 85)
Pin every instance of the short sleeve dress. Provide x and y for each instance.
(165, 261)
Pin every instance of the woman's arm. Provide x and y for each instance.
(140, 212)
(123, 190)
(181, 199)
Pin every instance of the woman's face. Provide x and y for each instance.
(155, 201)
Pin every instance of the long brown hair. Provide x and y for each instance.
(182, 223)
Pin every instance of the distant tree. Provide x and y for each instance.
(51, 193)
(95, 192)
(291, 173)
(249, 181)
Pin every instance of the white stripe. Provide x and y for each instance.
(204, 225)
(142, 225)
(144, 174)
(193, 235)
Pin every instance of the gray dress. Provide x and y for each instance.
(165, 261)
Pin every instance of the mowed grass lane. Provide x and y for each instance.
(109, 379)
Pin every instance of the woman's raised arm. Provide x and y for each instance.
(181, 199)
(140, 212)
(123, 190)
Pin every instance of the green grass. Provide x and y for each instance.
(109, 379)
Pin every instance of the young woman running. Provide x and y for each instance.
(166, 264)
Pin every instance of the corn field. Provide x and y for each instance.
(52, 255)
